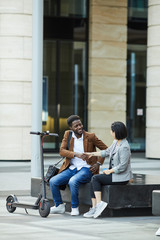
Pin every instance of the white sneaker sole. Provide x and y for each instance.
(57, 212)
(158, 232)
(88, 216)
(98, 213)
(74, 214)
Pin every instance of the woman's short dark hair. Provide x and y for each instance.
(71, 119)
(119, 129)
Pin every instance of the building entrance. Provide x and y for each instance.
(136, 74)
(64, 66)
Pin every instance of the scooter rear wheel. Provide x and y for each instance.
(44, 212)
(10, 199)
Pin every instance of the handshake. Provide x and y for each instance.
(87, 155)
(83, 156)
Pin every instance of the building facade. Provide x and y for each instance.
(100, 60)
(15, 79)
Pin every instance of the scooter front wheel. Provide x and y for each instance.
(9, 201)
(44, 208)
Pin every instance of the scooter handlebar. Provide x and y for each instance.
(36, 133)
(47, 133)
(53, 134)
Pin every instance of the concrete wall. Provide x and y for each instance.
(153, 81)
(107, 65)
(15, 79)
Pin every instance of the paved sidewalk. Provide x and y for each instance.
(19, 225)
(15, 178)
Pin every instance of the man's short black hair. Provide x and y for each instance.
(71, 119)
(120, 130)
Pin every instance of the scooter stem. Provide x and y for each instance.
(42, 167)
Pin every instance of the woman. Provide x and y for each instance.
(119, 172)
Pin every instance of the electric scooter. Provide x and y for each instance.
(41, 203)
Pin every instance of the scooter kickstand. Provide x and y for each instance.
(26, 211)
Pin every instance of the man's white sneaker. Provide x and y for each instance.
(59, 209)
(99, 208)
(158, 232)
(75, 211)
(90, 213)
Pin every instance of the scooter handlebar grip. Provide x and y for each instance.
(53, 134)
(36, 133)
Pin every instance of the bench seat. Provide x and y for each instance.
(130, 199)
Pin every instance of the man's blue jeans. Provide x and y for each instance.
(73, 178)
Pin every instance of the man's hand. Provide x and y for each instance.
(94, 168)
(83, 156)
(88, 155)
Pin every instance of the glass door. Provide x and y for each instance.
(136, 73)
(136, 96)
(64, 86)
(64, 66)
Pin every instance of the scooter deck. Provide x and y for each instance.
(24, 205)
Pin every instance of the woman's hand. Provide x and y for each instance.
(88, 154)
(92, 154)
(108, 171)
(83, 156)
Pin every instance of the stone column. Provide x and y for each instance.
(153, 81)
(107, 65)
(37, 74)
(15, 79)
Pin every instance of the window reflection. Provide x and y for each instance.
(65, 66)
(137, 9)
(72, 8)
(136, 73)
(50, 8)
(64, 89)
(65, 8)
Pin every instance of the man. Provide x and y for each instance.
(77, 168)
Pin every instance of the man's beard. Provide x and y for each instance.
(79, 134)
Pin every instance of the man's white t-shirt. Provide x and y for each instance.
(79, 148)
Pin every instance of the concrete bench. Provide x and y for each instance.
(131, 199)
(156, 202)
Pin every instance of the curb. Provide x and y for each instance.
(15, 192)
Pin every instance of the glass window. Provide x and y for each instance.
(50, 8)
(136, 74)
(136, 96)
(64, 88)
(137, 8)
(65, 8)
(72, 8)
(64, 67)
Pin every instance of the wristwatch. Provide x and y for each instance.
(99, 163)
